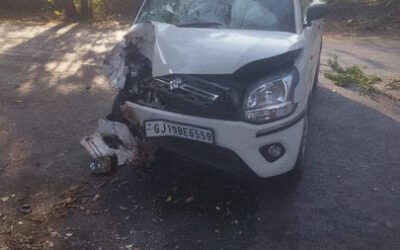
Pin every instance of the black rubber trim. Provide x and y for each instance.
(281, 127)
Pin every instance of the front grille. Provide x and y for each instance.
(191, 96)
(209, 154)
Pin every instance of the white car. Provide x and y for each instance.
(223, 82)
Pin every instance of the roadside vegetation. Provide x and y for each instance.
(354, 13)
(355, 76)
(378, 16)
(343, 76)
(70, 9)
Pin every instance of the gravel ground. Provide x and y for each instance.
(52, 92)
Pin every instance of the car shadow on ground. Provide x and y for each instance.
(176, 203)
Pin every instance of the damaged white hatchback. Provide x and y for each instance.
(223, 82)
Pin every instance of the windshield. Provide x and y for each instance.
(274, 15)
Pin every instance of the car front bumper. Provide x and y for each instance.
(240, 138)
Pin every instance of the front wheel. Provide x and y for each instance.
(301, 158)
(316, 76)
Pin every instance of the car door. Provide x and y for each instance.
(313, 40)
(316, 36)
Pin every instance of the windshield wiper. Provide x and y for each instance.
(200, 24)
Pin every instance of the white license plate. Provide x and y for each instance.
(159, 128)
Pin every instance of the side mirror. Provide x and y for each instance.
(316, 11)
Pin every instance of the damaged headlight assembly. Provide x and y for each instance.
(271, 99)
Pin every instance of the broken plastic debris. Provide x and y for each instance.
(114, 66)
(25, 209)
(96, 197)
(189, 199)
(110, 139)
(123, 208)
(102, 184)
(101, 165)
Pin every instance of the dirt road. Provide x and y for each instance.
(51, 94)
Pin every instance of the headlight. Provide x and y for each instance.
(271, 100)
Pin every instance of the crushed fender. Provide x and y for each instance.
(113, 143)
(131, 59)
(145, 52)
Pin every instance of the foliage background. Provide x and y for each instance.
(102, 9)
(99, 9)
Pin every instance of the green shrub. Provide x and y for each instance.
(341, 76)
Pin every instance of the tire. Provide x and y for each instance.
(316, 76)
(298, 169)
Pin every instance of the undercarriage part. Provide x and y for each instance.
(111, 139)
(102, 165)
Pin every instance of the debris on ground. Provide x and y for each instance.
(96, 197)
(128, 62)
(20, 241)
(123, 208)
(25, 209)
(110, 139)
(394, 84)
(342, 76)
(129, 247)
(102, 184)
(190, 199)
(68, 202)
(70, 198)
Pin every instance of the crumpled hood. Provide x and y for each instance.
(214, 51)
(157, 49)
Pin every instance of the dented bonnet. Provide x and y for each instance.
(164, 49)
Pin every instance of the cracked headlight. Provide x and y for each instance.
(271, 100)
